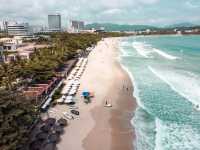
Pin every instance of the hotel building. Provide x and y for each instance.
(54, 22)
(76, 26)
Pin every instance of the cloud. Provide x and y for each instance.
(149, 1)
(116, 11)
(112, 12)
(192, 4)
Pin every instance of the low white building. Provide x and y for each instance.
(11, 43)
(17, 29)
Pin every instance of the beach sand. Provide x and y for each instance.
(97, 127)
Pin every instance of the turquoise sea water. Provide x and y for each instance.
(166, 75)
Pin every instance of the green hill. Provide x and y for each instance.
(117, 27)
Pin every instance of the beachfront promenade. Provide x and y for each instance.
(97, 125)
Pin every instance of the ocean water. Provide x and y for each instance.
(165, 71)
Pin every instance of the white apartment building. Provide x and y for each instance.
(17, 29)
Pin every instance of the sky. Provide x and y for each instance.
(148, 12)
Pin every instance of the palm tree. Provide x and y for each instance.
(7, 76)
(16, 116)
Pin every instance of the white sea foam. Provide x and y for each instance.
(124, 52)
(124, 43)
(145, 130)
(172, 136)
(142, 49)
(185, 84)
(165, 54)
(136, 90)
(147, 50)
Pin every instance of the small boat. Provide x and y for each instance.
(75, 112)
(107, 104)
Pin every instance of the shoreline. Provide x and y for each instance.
(98, 127)
(120, 129)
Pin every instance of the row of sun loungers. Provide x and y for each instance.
(72, 82)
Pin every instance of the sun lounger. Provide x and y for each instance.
(68, 116)
(75, 112)
(73, 107)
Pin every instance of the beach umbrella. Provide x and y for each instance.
(58, 129)
(62, 122)
(35, 145)
(42, 136)
(45, 128)
(53, 138)
(69, 97)
(50, 121)
(49, 146)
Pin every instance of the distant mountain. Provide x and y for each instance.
(117, 27)
(181, 25)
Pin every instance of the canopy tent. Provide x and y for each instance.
(85, 93)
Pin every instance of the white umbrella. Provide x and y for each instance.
(60, 100)
(74, 88)
(69, 97)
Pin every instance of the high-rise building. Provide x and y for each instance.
(54, 22)
(19, 29)
(76, 26)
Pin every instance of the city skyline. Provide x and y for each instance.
(151, 12)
